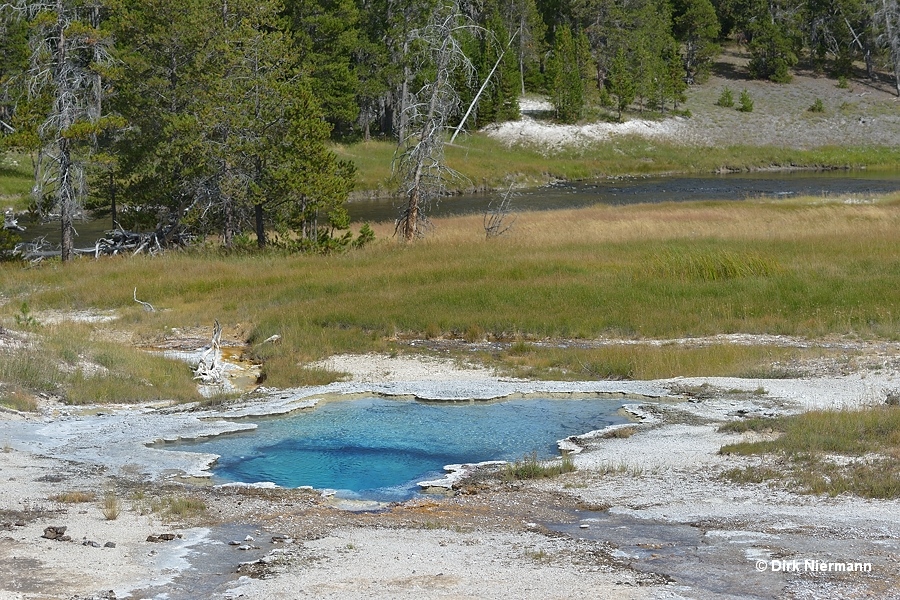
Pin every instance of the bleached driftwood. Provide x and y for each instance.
(209, 370)
(147, 306)
(112, 244)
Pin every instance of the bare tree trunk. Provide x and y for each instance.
(229, 228)
(522, 25)
(66, 201)
(260, 226)
(112, 199)
(64, 110)
(64, 55)
(402, 130)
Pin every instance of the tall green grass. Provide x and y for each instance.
(531, 468)
(714, 264)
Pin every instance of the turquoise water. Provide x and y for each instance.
(376, 448)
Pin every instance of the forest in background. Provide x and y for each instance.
(213, 117)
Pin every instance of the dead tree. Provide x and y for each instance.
(496, 216)
(421, 165)
(65, 53)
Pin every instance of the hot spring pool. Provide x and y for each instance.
(376, 448)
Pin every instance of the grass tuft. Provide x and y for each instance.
(17, 399)
(111, 506)
(74, 497)
(531, 468)
(184, 507)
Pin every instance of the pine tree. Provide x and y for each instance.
(326, 34)
(620, 82)
(696, 27)
(225, 131)
(523, 20)
(500, 101)
(565, 76)
(774, 40)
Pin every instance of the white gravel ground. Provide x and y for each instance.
(667, 472)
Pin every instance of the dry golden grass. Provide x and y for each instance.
(74, 497)
(762, 220)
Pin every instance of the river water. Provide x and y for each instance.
(736, 186)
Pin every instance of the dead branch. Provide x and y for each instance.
(147, 306)
(496, 214)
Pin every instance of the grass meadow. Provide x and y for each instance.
(805, 267)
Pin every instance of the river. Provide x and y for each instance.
(639, 190)
(736, 186)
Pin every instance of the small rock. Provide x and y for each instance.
(109, 545)
(167, 537)
(54, 532)
(234, 543)
(152, 538)
(249, 538)
(245, 547)
(90, 543)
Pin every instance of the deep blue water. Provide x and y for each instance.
(376, 448)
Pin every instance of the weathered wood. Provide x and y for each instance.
(147, 306)
(209, 369)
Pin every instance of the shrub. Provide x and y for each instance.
(843, 83)
(726, 99)
(817, 106)
(8, 241)
(746, 102)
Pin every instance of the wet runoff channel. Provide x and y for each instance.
(720, 563)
